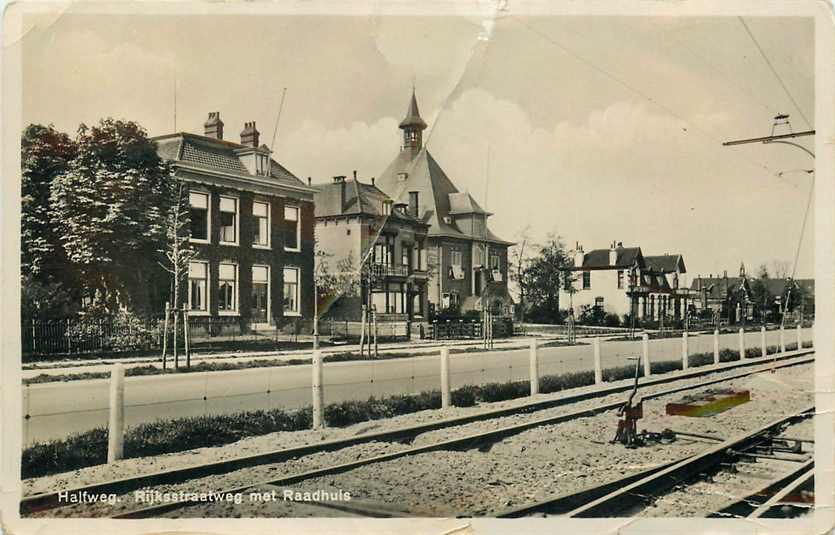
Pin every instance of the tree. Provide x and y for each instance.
(178, 253)
(519, 256)
(109, 207)
(542, 278)
(48, 275)
(761, 296)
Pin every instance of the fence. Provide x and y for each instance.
(54, 410)
(468, 329)
(86, 335)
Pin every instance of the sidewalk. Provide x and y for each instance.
(414, 347)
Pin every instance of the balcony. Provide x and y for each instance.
(389, 270)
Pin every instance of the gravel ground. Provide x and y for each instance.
(536, 463)
(546, 461)
(727, 487)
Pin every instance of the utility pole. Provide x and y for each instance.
(783, 119)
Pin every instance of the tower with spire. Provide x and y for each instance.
(469, 262)
(413, 126)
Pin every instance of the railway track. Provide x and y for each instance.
(630, 495)
(46, 501)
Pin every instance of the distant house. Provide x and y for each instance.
(621, 279)
(360, 228)
(729, 298)
(251, 224)
(467, 261)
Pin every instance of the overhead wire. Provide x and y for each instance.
(774, 71)
(637, 91)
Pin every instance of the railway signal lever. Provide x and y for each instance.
(629, 413)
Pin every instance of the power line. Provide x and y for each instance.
(637, 91)
(774, 71)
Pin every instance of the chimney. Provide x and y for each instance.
(309, 181)
(613, 255)
(578, 255)
(372, 181)
(341, 181)
(250, 135)
(725, 275)
(213, 127)
(355, 174)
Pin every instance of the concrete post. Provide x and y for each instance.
(799, 338)
(645, 354)
(318, 392)
(782, 339)
(684, 352)
(598, 369)
(741, 343)
(445, 394)
(534, 367)
(716, 346)
(116, 427)
(762, 342)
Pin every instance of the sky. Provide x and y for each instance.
(597, 129)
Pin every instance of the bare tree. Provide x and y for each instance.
(519, 258)
(178, 253)
(780, 269)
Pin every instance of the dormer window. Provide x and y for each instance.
(262, 164)
(387, 204)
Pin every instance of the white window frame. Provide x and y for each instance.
(296, 313)
(237, 221)
(298, 210)
(236, 296)
(452, 254)
(269, 224)
(204, 312)
(208, 215)
(269, 292)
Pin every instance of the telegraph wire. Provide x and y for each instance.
(638, 92)
(774, 71)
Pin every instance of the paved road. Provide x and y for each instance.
(56, 410)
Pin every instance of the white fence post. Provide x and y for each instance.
(534, 368)
(741, 343)
(799, 338)
(598, 369)
(445, 394)
(116, 427)
(318, 393)
(684, 352)
(782, 339)
(716, 346)
(645, 354)
(762, 342)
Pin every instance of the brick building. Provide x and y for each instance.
(251, 225)
(361, 229)
(467, 263)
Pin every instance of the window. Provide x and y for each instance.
(227, 300)
(478, 226)
(291, 291)
(456, 258)
(229, 220)
(261, 215)
(383, 251)
(478, 256)
(598, 303)
(455, 269)
(292, 237)
(405, 254)
(417, 262)
(262, 165)
(413, 203)
(260, 303)
(198, 282)
(450, 300)
(586, 280)
(387, 207)
(495, 263)
(199, 211)
(620, 280)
